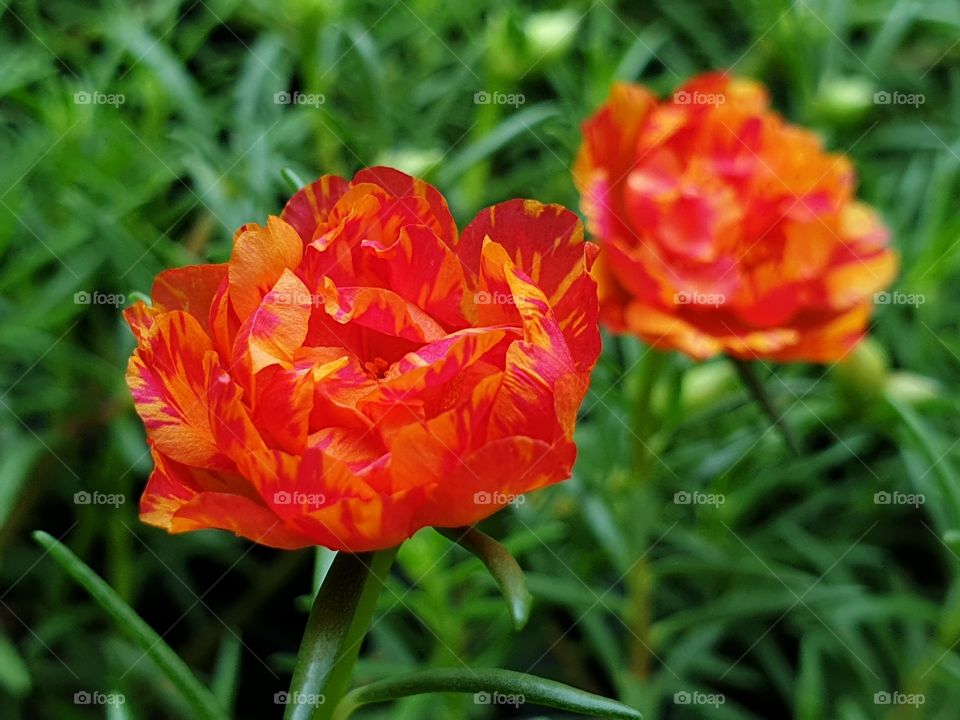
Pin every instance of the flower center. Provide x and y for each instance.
(376, 368)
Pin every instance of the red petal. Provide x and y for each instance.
(139, 317)
(168, 376)
(380, 310)
(402, 185)
(180, 499)
(545, 243)
(309, 207)
(422, 269)
(190, 289)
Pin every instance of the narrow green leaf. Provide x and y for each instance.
(118, 711)
(226, 671)
(322, 560)
(489, 686)
(517, 124)
(15, 466)
(14, 673)
(502, 565)
(294, 181)
(201, 700)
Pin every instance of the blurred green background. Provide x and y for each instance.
(138, 136)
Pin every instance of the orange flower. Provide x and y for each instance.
(359, 370)
(724, 229)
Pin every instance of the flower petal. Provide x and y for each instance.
(274, 331)
(545, 242)
(168, 376)
(401, 185)
(422, 269)
(259, 257)
(179, 499)
(311, 204)
(190, 289)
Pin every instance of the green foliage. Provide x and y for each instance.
(798, 595)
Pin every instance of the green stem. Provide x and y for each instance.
(643, 419)
(331, 642)
(748, 375)
(640, 579)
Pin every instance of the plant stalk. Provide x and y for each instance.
(338, 621)
(748, 375)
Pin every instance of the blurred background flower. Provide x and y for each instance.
(726, 229)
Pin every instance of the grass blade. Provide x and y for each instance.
(197, 696)
(485, 683)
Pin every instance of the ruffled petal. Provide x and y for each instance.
(545, 242)
(260, 256)
(309, 207)
(190, 289)
(274, 331)
(401, 185)
(422, 269)
(179, 499)
(168, 376)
